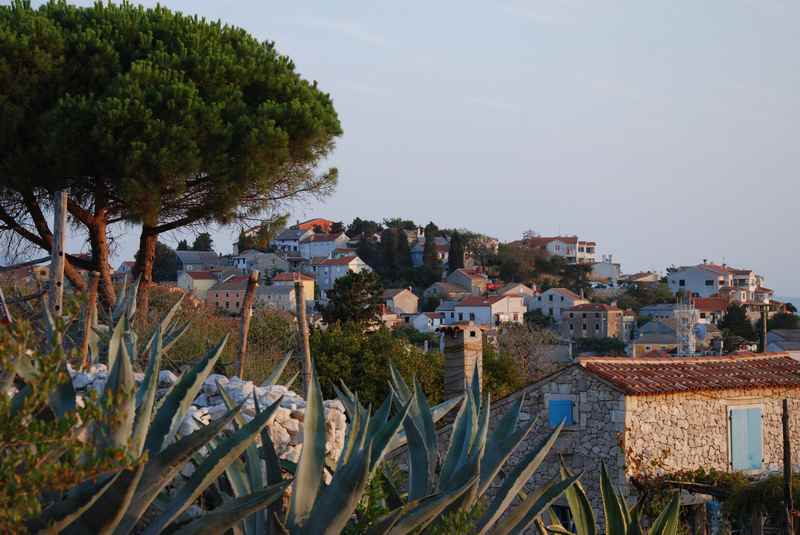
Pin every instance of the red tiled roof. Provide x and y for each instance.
(662, 375)
(434, 315)
(236, 283)
(472, 273)
(593, 307)
(317, 221)
(291, 276)
(201, 275)
(341, 261)
(761, 289)
(569, 294)
(711, 304)
(321, 237)
(479, 301)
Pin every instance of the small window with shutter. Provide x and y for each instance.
(746, 440)
(559, 410)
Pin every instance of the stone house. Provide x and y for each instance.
(266, 263)
(199, 282)
(401, 300)
(471, 280)
(640, 415)
(445, 291)
(229, 294)
(276, 297)
(199, 260)
(322, 245)
(592, 320)
(426, 322)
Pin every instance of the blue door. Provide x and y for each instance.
(746, 440)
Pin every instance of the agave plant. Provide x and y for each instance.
(117, 502)
(619, 518)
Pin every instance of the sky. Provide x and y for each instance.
(664, 131)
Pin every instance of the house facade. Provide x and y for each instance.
(471, 280)
(289, 278)
(288, 240)
(646, 414)
(489, 311)
(555, 301)
(570, 248)
(199, 282)
(267, 263)
(591, 320)
(322, 245)
(328, 270)
(606, 271)
(401, 300)
(709, 280)
(228, 295)
(199, 260)
(276, 297)
(441, 244)
(427, 322)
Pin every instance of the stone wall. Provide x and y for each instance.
(689, 431)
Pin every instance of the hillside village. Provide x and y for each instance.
(583, 299)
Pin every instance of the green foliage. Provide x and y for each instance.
(781, 320)
(538, 319)
(43, 453)
(399, 223)
(344, 352)
(515, 263)
(641, 296)
(501, 372)
(356, 297)
(430, 256)
(203, 242)
(260, 237)
(183, 246)
(363, 229)
(455, 256)
(737, 323)
(165, 264)
(601, 346)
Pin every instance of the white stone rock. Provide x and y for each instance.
(210, 384)
(167, 378)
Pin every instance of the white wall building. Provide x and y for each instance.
(321, 245)
(490, 311)
(328, 270)
(554, 301)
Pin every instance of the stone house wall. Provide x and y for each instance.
(690, 431)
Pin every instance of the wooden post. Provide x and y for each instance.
(56, 290)
(89, 319)
(302, 325)
(764, 322)
(247, 314)
(788, 499)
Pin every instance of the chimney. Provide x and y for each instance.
(463, 351)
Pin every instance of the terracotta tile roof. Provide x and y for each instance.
(291, 276)
(569, 294)
(341, 261)
(479, 301)
(711, 304)
(202, 275)
(237, 283)
(434, 315)
(660, 375)
(391, 292)
(472, 273)
(761, 289)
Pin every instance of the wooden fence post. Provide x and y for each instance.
(247, 314)
(302, 325)
(57, 258)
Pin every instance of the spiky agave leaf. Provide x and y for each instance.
(60, 515)
(668, 522)
(579, 506)
(119, 403)
(146, 395)
(277, 371)
(614, 510)
(522, 516)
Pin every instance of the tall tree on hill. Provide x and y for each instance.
(737, 323)
(399, 223)
(165, 267)
(430, 256)
(203, 242)
(363, 228)
(183, 245)
(356, 297)
(455, 255)
(155, 132)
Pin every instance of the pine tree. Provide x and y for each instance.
(455, 255)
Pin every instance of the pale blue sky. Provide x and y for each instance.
(667, 132)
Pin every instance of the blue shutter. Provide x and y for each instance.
(558, 410)
(746, 441)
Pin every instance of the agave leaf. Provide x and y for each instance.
(422, 512)
(118, 397)
(347, 401)
(292, 379)
(460, 441)
(352, 436)
(274, 476)
(437, 412)
(386, 522)
(380, 416)
(229, 450)
(337, 501)
(62, 399)
(476, 384)
(254, 476)
(579, 506)
(172, 336)
(525, 513)
(108, 510)
(384, 433)
(668, 522)
(470, 467)
(400, 386)
(516, 479)
(502, 443)
(277, 371)
(176, 403)
(308, 477)
(419, 471)
(425, 420)
(162, 467)
(224, 517)
(57, 517)
(560, 530)
(115, 342)
(146, 395)
(635, 525)
(616, 523)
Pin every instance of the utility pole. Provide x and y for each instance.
(247, 315)
(788, 499)
(764, 320)
(302, 325)
(56, 290)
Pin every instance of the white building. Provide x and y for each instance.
(606, 271)
(554, 301)
(327, 270)
(570, 248)
(490, 311)
(427, 322)
(321, 245)
(277, 297)
(288, 241)
(267, 263)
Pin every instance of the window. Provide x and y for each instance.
(709, 282)
(460, 316)
(682, 282)
(472, 334)
(597, 327)
(472, 316)
(516, 316)
(227, 304)
(550, 298)
(746, 451)
(596, 314)
(571, 327)
(559, 410)
(583, 327)
(571, 315)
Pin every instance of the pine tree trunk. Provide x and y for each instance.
(100, 256)
(144, 269)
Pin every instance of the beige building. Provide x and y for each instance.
(401, 301)
(592, 320)
(471, 280)
(277, 297)
(228, 295)
(199, 282)
(288, 279)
